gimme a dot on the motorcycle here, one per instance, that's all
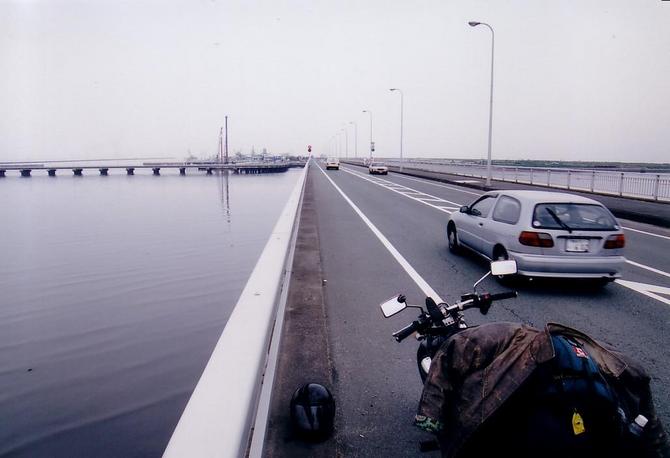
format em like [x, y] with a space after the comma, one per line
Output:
[438, 322]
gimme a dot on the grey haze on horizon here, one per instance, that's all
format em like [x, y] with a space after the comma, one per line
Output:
[574, 80]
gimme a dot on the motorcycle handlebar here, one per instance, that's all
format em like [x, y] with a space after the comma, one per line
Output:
[501, 296]
[405, 332]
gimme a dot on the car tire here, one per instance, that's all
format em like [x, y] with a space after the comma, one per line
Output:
[452, 238]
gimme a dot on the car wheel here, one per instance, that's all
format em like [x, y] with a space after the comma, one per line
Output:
[452, 237]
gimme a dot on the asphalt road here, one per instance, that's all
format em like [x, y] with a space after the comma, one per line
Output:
[376, 383]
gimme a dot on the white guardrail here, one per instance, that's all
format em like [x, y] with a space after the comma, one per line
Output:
[220, 415]
[650, 186]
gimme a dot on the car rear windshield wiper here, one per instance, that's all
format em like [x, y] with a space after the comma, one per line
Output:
[558, 220]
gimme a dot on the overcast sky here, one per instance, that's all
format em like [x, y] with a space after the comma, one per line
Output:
[574, 79]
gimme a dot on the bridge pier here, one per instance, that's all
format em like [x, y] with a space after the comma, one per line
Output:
[77, 172]
[157, 171]
[182, 170]
[103, 171]
[209, 170]
[51, 172]
[130, 170]
[25, 172]
[2, 173]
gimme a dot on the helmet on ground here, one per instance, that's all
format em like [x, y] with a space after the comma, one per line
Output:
[312, 411]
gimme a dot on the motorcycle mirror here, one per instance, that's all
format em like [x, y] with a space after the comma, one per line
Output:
[503, 267]
[393, 305]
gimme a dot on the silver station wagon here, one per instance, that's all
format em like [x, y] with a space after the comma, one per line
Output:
[549, 234]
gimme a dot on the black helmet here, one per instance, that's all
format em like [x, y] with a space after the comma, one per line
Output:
[312, 411]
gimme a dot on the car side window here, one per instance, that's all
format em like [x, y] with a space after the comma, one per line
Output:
[483, 206]
[507, 210]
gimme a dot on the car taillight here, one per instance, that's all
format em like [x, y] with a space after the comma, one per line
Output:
[615, 241]
[540, 239]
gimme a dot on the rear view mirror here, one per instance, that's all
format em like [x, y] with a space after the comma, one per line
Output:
[503, 267]
[464, 209]
[392, 306]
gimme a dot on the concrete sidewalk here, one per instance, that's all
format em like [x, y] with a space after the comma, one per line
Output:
[656, 213]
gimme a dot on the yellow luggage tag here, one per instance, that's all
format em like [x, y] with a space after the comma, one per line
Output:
[577, 424]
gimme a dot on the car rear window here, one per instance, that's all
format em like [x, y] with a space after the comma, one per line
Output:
[574, 216]
[377, 164]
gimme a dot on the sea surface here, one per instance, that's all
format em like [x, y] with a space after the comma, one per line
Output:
[113, 293]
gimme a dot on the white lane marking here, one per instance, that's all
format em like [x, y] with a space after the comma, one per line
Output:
[651, 269]
[414, 275]
[426, 181]
[646, 289]
[455, 188]
[448, 210]
[647, 233]
[407, 193]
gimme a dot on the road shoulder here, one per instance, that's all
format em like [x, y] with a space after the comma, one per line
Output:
[304, 354]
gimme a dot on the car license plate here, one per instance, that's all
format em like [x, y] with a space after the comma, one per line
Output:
[577, 245]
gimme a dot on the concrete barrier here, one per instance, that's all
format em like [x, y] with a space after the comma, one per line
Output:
[219, 416]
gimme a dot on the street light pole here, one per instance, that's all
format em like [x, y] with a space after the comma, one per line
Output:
[493, 40]
[371, 142]
[346, 141]
[402, 97]
[355, 138]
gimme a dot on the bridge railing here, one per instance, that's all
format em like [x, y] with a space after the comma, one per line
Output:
[651, 186]
[221, 413]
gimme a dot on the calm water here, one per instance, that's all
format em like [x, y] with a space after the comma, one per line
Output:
[113, 293]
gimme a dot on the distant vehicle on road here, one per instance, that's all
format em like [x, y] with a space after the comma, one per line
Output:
[548, 234]
[333, 163]
[378, 168]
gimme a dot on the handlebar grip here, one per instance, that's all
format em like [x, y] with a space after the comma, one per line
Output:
[405, 332]
[505, 295]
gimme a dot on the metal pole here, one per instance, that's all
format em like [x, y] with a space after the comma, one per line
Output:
[488, 166]
[355, 138]
[346, 141]
[225, 161]
[220, 144]
[371, 142]
[402, 97]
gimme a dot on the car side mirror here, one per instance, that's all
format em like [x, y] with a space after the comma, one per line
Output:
[393, 305]
[464, 209]
[503, 267]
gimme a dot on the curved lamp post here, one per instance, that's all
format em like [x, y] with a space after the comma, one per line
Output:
[401, 118]
[488, 163]
[355, 137]
[371, 143]
[346, 141]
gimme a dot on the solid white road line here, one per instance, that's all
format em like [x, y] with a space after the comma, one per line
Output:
[455, 188]
[407, 192]
[642, 266]
[647, 290]
[448, 209]
[432, 183]
[414, 275]
[646, 233]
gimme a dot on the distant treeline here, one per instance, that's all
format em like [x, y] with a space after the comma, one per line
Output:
[623, 166]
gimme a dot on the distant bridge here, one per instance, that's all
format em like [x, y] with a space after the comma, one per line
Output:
[26, 170]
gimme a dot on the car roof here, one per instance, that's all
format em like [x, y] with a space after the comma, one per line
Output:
[545, 196]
